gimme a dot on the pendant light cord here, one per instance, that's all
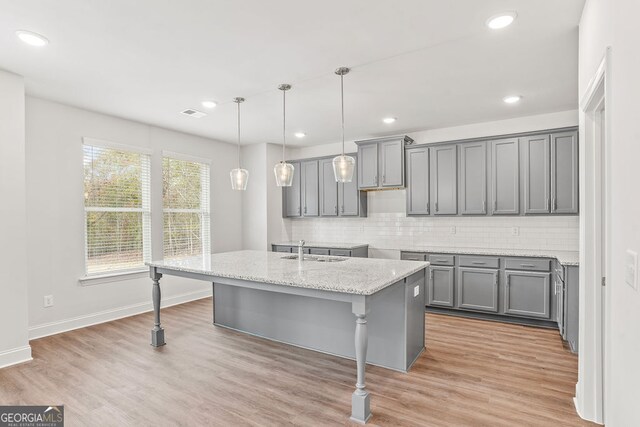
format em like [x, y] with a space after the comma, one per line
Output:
[238, 135]
[284, 122]
[342, 103]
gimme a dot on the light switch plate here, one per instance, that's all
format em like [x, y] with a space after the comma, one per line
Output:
[48, 301]
[416, 290]
[452, 230]
[515, 231]
[631, 269]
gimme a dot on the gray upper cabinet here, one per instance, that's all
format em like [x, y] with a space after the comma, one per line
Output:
[291, 198]
[536, 159]
[381, 162]
[564, 173]
[368, 166]
[351, 201]
[391, 163]
[310, 188]
[505, 177]
[328, 188]
[477, 289]
[527, 294]
[417, 197]
[473, 178]
[444, 179]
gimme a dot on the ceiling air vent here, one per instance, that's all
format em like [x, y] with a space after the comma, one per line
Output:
[193, 113]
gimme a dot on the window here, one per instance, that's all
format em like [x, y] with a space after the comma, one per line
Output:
[185, 197]
[117, 208]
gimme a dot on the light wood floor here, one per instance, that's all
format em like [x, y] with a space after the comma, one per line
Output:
[474, 373]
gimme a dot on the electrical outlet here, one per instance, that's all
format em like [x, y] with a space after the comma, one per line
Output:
[416, 291]
[631, 269]
[515, 231]
[452, 230]
[48, 300]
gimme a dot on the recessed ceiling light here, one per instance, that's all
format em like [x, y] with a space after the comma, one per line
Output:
[31, 38]
[209, 104]
[502, 20]
[512, 99]
[389, 120]
[300, 134]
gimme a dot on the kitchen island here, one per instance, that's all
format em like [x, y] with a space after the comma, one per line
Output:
[322, 303]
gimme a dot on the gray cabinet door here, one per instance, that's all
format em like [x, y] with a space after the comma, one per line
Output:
[441, 286]
[527, 294]
[417, 194]
[291, 198]
[328, 188]
[349, 197]
[505, 177]
[536, 158]
[477, 289]
[444, 179]
[310, 188]
[564, 173]
[368, 166]
[473, 178]
[392, 163]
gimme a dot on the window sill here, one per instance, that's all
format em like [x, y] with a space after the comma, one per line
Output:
[113, 277]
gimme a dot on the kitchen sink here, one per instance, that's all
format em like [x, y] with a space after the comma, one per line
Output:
[317, 258]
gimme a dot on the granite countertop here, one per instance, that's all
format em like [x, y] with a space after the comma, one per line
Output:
[568, 258]
[359, 276]
[324, 245]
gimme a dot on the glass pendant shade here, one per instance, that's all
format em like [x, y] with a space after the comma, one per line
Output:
[284, 174]
[239, 179]
[343, 168]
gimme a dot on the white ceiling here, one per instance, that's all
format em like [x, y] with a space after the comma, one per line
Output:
[430, 63]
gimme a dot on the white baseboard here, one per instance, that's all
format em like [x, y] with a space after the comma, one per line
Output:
[15, 356]
[60, 326]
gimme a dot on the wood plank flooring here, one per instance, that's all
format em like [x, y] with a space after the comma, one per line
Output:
[474, 373]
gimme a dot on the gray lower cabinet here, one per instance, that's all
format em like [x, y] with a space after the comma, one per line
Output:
[536, 161]
[417, 164]
[472, 188]
[441, 284]
[309, 188]
[527, 294]
[328, 188]
[477, 289]
[571, 298]
[564, 173]
[444, 179]
[505, 177]
[291, 201]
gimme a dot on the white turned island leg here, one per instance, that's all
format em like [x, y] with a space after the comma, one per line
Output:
[360, 401]
[157, 333]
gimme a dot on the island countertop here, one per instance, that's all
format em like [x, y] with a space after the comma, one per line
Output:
[358, 276]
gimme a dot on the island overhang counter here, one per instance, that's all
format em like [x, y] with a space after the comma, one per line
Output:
[313, 304]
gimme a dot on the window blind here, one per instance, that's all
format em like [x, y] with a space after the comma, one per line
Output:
[117, 209]
[185, 195]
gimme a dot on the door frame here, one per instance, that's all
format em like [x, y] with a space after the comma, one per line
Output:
[595, 225]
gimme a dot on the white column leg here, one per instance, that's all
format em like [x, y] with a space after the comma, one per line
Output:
[157, 333]
[360, 401]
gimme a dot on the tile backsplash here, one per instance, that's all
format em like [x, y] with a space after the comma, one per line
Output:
[388, 228]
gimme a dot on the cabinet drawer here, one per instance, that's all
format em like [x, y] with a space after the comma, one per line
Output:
[318, 251]
[282, 249]
[413, 256]
[340, 252]
[529, 264]
[441, 259]
[479, 261]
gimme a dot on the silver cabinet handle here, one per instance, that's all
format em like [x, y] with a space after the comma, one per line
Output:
[495, 206]
[478, 262]
[413, 259]
[298, 210]
[527, 265]
[554, 204]
[436, 206]
[442, 260]
[375, 178]
[547, 208]
[427, 207]
[336, 209]
[384, 178]
[484, 206]
[342, 208]
[305, 209]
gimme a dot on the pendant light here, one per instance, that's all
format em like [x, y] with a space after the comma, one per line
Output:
[239, 176]
[343, 165]
[284, 170]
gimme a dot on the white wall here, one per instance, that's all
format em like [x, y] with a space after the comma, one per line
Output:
[254, 198]
[14, 345]
[615, 23]
[388, 230]
[55, 237]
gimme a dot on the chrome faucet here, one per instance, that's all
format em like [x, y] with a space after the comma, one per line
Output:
[301, 250]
